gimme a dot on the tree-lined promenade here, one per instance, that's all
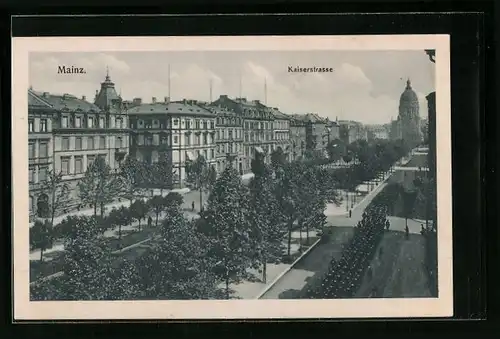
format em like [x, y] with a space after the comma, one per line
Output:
[242, 226]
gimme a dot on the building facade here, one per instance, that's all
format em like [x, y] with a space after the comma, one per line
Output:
[281, 132]
[297, 137]
[40, 149]
[228, 138]
[174, 133]
[257, 127]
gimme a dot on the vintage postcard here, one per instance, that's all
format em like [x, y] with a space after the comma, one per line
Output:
[245, 177]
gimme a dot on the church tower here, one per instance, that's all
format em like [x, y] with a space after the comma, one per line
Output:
[409, 116]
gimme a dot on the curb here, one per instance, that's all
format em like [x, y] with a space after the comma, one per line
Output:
[268, 287]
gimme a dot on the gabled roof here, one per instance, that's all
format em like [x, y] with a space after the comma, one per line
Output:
[35, 101]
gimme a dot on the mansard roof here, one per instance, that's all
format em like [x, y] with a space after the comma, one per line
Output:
[64, 103]
[185, 107]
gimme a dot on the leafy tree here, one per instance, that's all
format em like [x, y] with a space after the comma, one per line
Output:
[157, 204]
[173, 199]
[197, 175]
[288, 195]
[41, 236]
[99, 186]
[278, 157]
[139, 210]
[265, 217]
[211, 177]
[131, 177]
[58, 192]
[85, 262]
[227, 228]
[178, 266]
[335, 149]
[120, 217]
[64, 229]
[162, 174]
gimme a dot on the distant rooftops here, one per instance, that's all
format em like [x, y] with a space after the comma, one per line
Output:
[182, 107]
[60, 102]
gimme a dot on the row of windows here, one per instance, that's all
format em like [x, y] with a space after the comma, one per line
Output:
[42, 126]
[42, 174]
[92, 143]
[78, 164]
[258, 125]
[228, 121]
[90, 122]
[228, 148]
[253, 137]
[229, 134]
[205, 153]
[43, 150]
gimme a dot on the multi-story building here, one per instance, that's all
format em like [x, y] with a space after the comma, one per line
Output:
[40, 149]
[174, 132]
[348, 132]
[258, 126]
[229, 138]
[377, 132]
[315, 133]
[332, 131]
[281, 132]
[297, 136]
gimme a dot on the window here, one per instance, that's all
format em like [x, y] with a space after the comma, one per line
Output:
[65, 165]
[90, 143]
[188, 124]
[78, 143]
[64, 122]
[31, 150]
[163, 140]
[78, 165]
[43, 125]
[65, 144]
[205, 124]
[42, 174]
[31, 125]
[148, 140]
[90, 159]
[78, 122]
[148, 124]
[187, 140]
[43, 152]
[197, 124]
[205, 140]
[218, 135]
[176, 139]
[32, 175]
[118, 142]
[196, 139]
[90, 122]
[176, 122]
[212, 153]
[102, 142]
[205, 154]
[230, 134]
[102, 157]
[101, 122]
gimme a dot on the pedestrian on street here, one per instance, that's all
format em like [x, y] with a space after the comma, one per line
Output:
[422, 229]
[350, 213]
[407, 232]
[387, 225]
[150, 221]
[192, 206]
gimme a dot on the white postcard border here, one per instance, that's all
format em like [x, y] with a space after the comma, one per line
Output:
[24, 309]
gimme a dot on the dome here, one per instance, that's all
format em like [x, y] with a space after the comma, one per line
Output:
[408, 96]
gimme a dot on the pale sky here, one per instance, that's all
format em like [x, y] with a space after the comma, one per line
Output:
[365, 85]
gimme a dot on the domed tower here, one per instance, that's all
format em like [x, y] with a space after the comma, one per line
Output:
[409, 116]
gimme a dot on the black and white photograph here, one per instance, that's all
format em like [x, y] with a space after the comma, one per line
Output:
[202, 174]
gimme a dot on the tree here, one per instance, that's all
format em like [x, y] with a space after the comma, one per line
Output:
[41, 236]
[131, 175]
[85, 268]
[162, 174]
[211, 177]
[278, 158]
[287, 193]
[227, 228]
[178, 266]
[157, 204]
[99, 186]
[197, 175]
[58, 192]
[120, 217]
[139, 210]
[64, 229]
[335, 149]
[265, 217]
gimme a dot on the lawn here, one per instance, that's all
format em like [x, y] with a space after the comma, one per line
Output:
[39, 269]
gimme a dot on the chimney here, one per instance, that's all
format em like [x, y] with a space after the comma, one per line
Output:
[137, 101]
[167, 100]
[154, 100]
[45, 94]
[84, 97]
[184, 101]
[223, 96]
[256, 101]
